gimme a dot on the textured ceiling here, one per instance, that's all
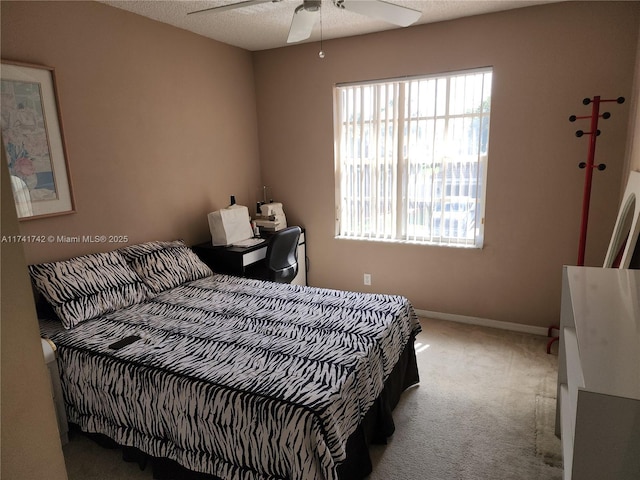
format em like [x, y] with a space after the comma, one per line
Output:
[264, 26]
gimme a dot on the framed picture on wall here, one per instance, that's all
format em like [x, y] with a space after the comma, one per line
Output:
[33, 139]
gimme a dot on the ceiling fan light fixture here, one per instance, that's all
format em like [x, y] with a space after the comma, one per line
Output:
[385, 11]
[302, 24]
[306, 14]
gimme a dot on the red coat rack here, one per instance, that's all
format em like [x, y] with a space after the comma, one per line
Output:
[589, 165]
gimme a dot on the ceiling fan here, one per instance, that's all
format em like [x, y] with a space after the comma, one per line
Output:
[307, 14]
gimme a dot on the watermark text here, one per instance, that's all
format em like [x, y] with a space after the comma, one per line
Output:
[64, 239]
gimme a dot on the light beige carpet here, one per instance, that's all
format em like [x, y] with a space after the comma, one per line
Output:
[473, 416]
[548, 446]
[484, 409]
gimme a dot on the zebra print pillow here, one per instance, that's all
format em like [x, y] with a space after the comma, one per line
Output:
[86, 287]
[164, 265]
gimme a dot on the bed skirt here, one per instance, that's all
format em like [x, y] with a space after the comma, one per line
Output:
[376, 427]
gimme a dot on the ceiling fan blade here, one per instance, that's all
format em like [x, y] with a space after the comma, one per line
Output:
[388, 12]
[302, 24]
[232, 6]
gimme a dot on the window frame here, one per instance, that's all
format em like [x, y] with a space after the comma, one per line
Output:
[400, 164]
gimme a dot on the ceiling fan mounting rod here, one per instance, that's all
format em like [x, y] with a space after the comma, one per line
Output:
[311, 5]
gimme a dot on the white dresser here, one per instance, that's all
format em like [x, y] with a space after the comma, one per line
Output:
[598, 409]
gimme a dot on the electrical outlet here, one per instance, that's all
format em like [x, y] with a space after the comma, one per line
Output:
[367, 279]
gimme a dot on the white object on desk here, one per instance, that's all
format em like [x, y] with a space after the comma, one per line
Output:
[598, 409]
[230, 225]
[272, 217]
[249, 242]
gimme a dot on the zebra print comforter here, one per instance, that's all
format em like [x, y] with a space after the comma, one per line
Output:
[234, 377]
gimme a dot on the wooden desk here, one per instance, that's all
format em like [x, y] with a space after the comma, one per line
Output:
[230, 260]
[238, 261]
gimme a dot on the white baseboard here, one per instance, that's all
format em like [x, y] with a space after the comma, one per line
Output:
[484, 322]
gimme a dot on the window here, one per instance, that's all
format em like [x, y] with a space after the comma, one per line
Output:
[411, 158]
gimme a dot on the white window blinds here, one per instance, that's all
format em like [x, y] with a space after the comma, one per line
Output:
[411, 157]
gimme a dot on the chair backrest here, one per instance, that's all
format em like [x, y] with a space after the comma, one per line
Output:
[282, 255]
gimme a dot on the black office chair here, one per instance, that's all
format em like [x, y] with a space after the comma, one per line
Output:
[281, 261]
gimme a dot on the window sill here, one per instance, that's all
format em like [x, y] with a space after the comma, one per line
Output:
[409, 242]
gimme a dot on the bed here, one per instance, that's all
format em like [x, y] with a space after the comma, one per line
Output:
[229, 377]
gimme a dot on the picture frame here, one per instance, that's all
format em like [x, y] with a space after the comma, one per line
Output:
[33, 139]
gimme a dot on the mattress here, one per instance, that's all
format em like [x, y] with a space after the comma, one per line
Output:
[234, 377]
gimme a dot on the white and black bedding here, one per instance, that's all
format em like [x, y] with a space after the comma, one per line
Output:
[232, 377]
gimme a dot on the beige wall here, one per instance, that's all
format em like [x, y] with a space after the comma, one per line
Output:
[160, 123]
[546, 60]
[30, 439]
